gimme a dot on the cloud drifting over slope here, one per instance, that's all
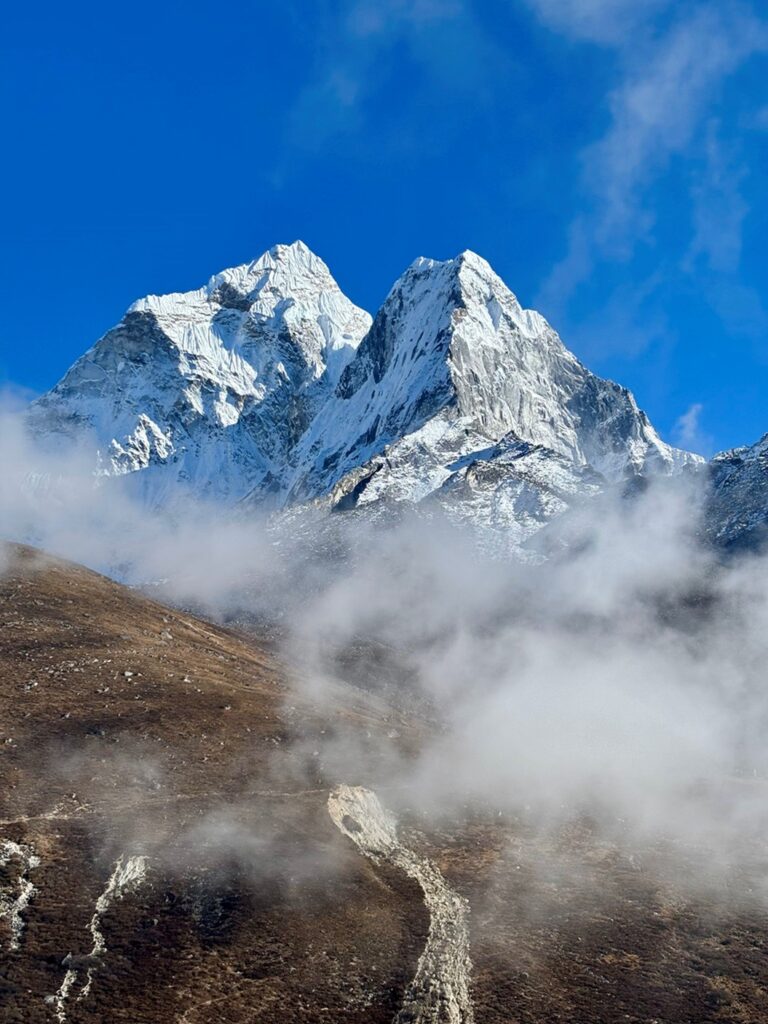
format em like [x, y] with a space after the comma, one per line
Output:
[622, 678]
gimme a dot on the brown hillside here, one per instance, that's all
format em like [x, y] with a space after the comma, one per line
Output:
[131, 729]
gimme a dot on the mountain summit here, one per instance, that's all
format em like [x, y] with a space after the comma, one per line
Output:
[452, 347]
[269, 383]
[212, 388]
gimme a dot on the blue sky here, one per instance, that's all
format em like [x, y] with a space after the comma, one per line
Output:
[608, 158]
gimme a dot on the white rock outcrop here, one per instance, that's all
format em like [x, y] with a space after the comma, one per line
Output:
[439, 992]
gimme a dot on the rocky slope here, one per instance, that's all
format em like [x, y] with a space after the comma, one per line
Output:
[269, 385]
[165, 849]
[167, 855]
[736, 515]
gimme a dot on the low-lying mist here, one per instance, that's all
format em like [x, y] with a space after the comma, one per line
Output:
[623, 678]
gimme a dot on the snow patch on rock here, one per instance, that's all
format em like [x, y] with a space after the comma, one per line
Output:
[19, 893]
[439, 991]
[128, 875]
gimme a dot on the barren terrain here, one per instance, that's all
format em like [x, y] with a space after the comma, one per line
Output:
[168, 784]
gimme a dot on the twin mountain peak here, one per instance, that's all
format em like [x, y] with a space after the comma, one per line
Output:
[269, 384]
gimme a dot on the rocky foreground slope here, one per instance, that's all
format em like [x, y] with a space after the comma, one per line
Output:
[167, 853]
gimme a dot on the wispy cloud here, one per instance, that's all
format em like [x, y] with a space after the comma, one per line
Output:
[714, 254]
[368, 18]
[14, 397]
[627, 319]
[688, 433]
[362, 44]
[719, 208]
[657, 110]
[600, 21]
[672, 68]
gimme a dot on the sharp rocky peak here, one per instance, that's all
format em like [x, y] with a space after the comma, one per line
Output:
[272, 367]
[283, 272]
[452, 341]
[288, 292]
[237, 368]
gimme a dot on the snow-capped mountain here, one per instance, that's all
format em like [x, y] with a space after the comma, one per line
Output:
[269, 383]
[451, 366]
[211, 388]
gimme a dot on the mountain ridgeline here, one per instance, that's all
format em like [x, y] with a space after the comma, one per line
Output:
[269, 386]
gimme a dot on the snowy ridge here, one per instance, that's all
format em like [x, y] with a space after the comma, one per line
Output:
[737, 509]
[269, 385]
[211, 387]
[452, 340]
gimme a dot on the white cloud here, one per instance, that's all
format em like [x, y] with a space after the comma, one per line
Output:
[601, 21]
[381, 17]
[687, 432]
[563, 689]
[669, 79]
[14, 397]
[359, 44]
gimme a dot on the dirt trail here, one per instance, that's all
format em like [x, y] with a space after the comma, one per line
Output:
[439, 990]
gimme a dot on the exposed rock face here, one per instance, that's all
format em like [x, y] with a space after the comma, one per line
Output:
[737, 511]
[268, 384]
[211, 388]
[452, 341]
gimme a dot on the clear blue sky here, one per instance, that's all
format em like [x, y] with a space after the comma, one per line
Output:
[609, 162]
